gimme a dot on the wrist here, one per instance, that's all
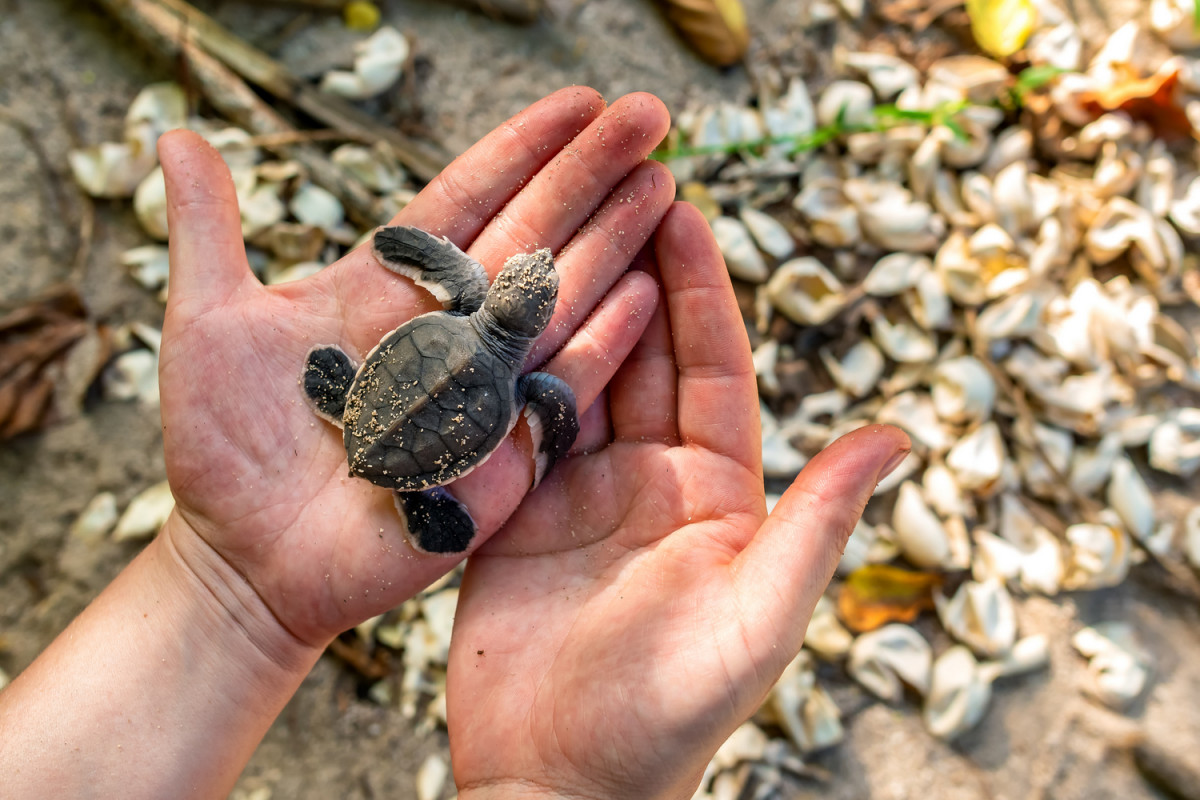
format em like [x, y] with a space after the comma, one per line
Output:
[530, 790]
[221, 612]
[178, 667]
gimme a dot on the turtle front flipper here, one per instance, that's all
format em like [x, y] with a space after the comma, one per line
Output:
[553, 421]
[328, 373]
[458, 281]
[435, 522]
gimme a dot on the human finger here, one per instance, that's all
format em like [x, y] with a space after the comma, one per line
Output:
[643, 394]
[782, 571]
[465, 196]
[207, 254]
[595, 428]
[587, 363]
[718, 396]
[602, 250]
[567, 191]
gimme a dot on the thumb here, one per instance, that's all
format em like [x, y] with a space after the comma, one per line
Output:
[785, 568]
[208, 257]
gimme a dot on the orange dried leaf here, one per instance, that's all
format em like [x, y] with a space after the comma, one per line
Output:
[1153, 100]
[877, 594]
[715, 28]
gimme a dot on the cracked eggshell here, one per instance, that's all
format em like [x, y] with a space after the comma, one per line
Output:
[768, 233]
[96, 519]
[1098, 556]
[742, 258]
[886, 660]
[1191, 536]
[1175, 22]
[978, 459]
[110, 169]
[793, 116]
[1131, 499]
[805, 291]
[1012, 195]
[431, 777]
[901, 339]
[312, 205]
[857, 551]
[859, 370]
[1027, 655]
[994, 558]
[375, 166]
[145, 514]
[1185, 210]
[780, 459]
[981, 616]
[896, 272]
[1175, 443]
[826, 636]
[1117, 666]
[833, 219]
[942, 491]
[959, 694]
[849, 102]
[150, 204]
[1121, 225]
[897, 221]
[1042, 567]
[149, 265]
[803, 709]
[1060, 46]
[920, 535]
[928, 303]
[963, 390]
[133, 376]
[1017, 315]
[888, 75]
[913, 412]
[378, 61]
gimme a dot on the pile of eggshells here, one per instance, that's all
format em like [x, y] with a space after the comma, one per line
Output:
[1007, 313]
[292, 226]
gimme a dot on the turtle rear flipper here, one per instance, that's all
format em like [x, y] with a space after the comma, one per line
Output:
[328, 373]
[458, 281]
[553, 420]
[435, 522]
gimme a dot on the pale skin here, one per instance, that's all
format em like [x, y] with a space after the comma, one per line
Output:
[644, 563]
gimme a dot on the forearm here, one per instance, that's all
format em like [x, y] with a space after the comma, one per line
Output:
[162, 687]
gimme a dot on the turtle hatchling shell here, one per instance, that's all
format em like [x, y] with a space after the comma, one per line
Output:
[429, 404]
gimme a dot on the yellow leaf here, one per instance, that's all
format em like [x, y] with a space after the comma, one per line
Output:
[715, 28]
[361, 15]
[877, 594]
[1001, 27]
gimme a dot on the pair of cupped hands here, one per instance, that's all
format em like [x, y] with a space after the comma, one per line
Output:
[614, 624]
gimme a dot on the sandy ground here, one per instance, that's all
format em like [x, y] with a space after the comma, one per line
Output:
[66, 78]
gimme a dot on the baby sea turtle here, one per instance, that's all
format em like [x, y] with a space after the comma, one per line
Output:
[440, 393]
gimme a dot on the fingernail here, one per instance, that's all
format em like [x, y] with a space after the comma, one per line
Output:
[892, 463]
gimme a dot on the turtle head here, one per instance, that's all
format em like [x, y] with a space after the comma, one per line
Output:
[521, 299]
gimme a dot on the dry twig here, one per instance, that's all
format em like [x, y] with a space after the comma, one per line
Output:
[167, 25]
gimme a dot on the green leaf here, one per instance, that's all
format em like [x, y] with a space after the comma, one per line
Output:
[1033, 78]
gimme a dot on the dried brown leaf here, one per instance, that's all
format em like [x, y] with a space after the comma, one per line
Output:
[877, 594]
[37, 340]
[1154, 100]
[715, 28]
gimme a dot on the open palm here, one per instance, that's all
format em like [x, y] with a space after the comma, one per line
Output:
[640, 603]
[256, 474]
